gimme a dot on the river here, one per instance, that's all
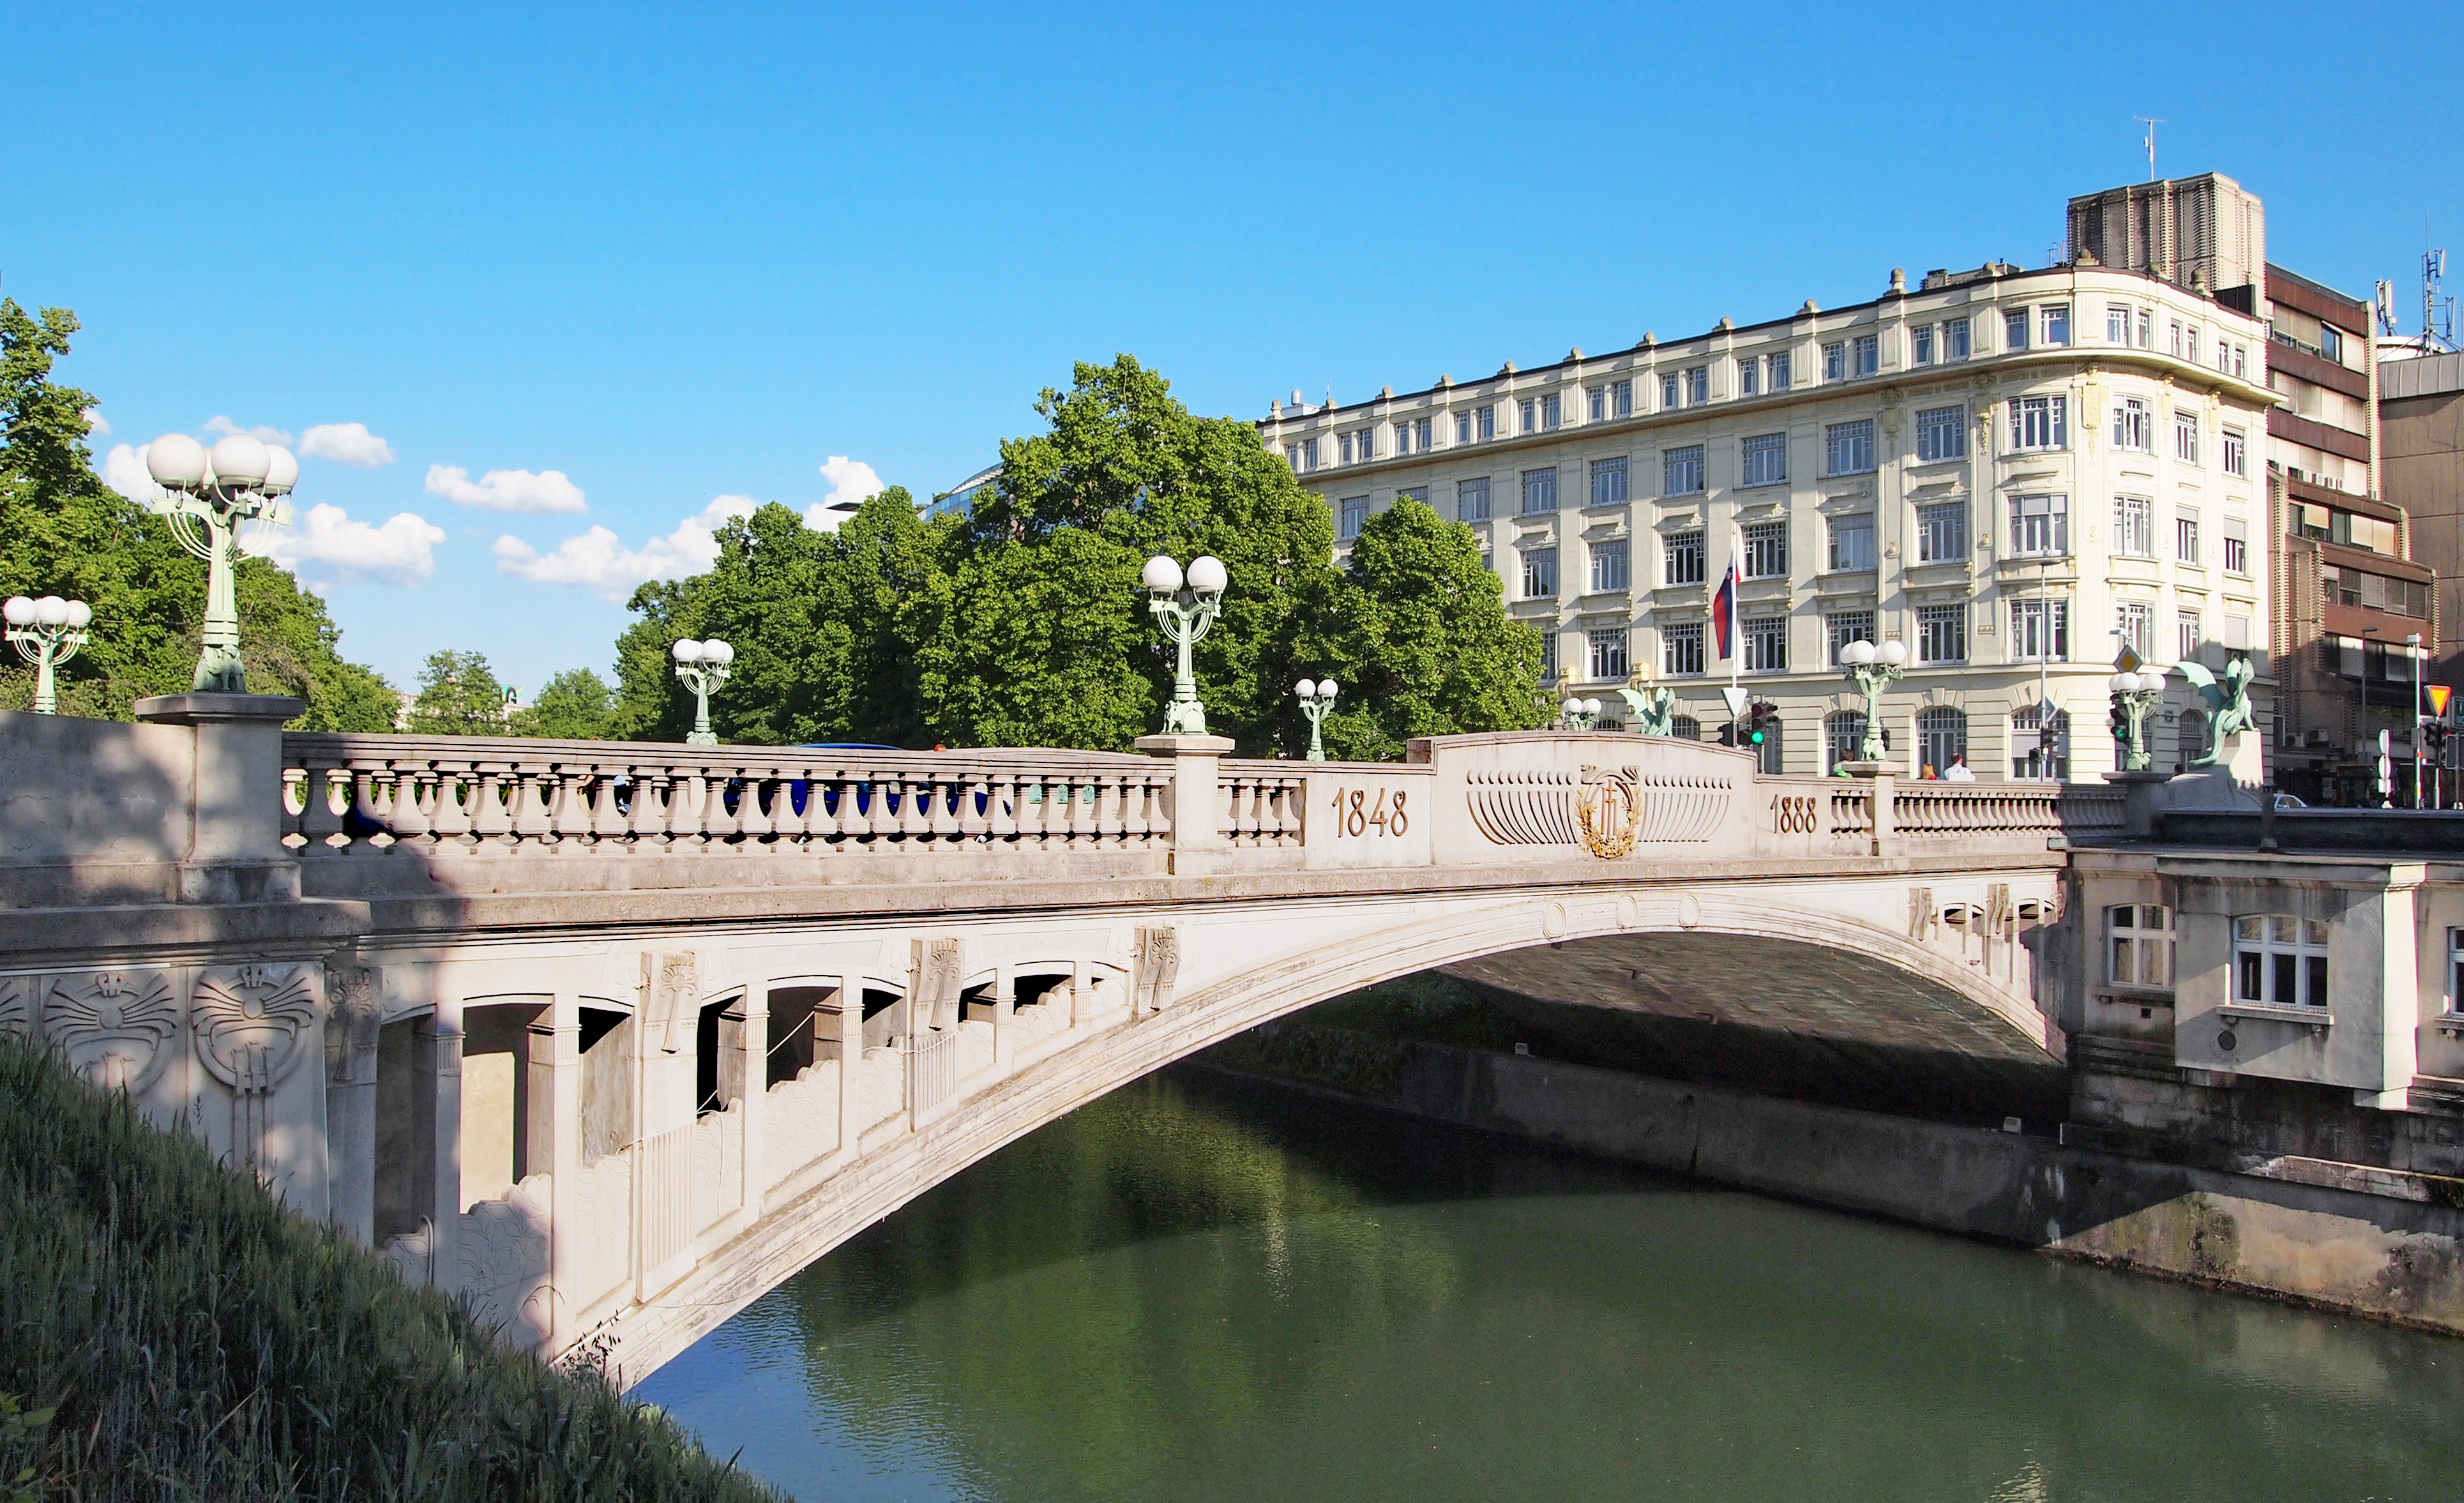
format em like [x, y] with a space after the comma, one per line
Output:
[1202, 1289]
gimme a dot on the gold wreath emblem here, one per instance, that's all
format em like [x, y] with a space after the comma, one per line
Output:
[1606, 844]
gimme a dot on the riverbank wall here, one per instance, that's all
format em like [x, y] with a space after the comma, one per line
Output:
[2369, 1241]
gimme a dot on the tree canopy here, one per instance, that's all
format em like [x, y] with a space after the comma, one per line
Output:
[1022, 622]
[63, 532]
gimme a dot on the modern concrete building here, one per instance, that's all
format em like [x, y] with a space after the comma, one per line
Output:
[2421, 440]
[2013, 472]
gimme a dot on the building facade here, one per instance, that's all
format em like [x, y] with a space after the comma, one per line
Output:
[2421, 450]
[2013, 472]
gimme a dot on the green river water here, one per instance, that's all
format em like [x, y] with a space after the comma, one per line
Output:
[1203, 1288]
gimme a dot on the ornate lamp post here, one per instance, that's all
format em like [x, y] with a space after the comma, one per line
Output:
[703, 668]
[2138, 694]
[1316, 699]
[1580, 715]
[243, 480]
[1185, 609]
[47, 632]
[1872, 670]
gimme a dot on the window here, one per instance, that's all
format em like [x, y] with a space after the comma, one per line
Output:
[2236, 545]
[1852, 543]
[2280, 960]
[1539, 573]
[2053, 324]
[1549, 657]
[1942, 533]
[1781, 371]
[2224, 355]
[1681, 471]
[2241, 361]
[1355, 514]
[2135, 624]
[1698, 385]
[1669, 391]
[1765, 459]
[1303, 456]
[1360, 448]
[1942, 433]
[1682, 558]
[2139, 946]
[1766, 550]
[2454, 971]
[2040, 630]
[1749, 376]
[1608, 653]
[2185, 437]
[1843, 627]
[1542, 415]
[1608, 481]
[2015, 329]
[1942, 633]
[1621, 399]
[1600, 404]
[2236, 454]
[1686, 728]
[2039, 422]
[1850, 447]
[1412, 437]
[2134, 427]
[2146, 328]
[1834, 361]
[1921, 345]
[2187, 636]
[2186, 536]
[1942, 737]
[2034, 751]
[2040, 525]
[2177, 339]
[1954, 339]
[1475, 424]
[1869, 354]
[2331, 343]
[1843, 737]
[2190, 349]
[2134, 527]
[2116, 324]
[1681, 649]
[1471, 499]
[1766, 644]
[1539, 491]
[1611, 566]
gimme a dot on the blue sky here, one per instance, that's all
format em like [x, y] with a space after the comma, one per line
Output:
[674, 258]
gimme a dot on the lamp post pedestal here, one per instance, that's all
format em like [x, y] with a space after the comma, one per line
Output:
[2143, 801]
[234, 840]
[1195, 761]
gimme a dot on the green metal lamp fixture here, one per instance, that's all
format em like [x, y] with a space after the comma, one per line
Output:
[1316, 699]
[703, 668]
[46, 633]
[1185, 608]
[1873, 669]
[2138, 694]
[244, 479]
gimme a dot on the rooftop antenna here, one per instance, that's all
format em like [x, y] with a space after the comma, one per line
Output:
[2151, 123]
[2434, 269]
[2384, 305]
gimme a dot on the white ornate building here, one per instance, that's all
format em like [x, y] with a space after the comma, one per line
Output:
[2002, 469]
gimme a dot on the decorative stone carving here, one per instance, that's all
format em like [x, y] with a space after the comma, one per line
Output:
[115, 1026]
[670, 983]
[1543, 809]
[936, 973]
[1925, 921]
[251, 1024]
[1157, 970]
[358, 994]
[17, 1006]
[504, 1250]
[1607, 812]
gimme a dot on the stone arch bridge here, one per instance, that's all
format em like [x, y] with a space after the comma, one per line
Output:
[615, 1038]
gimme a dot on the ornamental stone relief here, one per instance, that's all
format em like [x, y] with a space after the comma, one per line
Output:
[114, 1027]
[251, 1025]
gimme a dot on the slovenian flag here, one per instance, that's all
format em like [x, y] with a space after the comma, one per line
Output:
[1724, 604]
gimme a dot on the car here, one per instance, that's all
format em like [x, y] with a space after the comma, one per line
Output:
[2286, 800]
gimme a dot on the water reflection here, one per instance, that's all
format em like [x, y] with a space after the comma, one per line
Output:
[1196, 1289]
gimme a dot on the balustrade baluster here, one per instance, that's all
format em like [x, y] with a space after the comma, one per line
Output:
[1107, 809]
[320, 821]
[569, 809]
[752, 821]
[606, 820]
[372, 798]
[406, 815]
[457, 804]
[492, 819]
[788, 823]
[1008, 791]
[719, 823]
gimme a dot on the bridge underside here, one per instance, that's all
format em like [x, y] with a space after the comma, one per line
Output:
[1802, 1021]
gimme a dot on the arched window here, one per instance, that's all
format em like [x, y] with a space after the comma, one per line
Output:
[1686, 728]
[1843, 735]
[1942, 739]
[2189, 739]
[2039, 751]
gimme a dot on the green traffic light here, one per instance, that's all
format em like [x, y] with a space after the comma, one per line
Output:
[1757, 737]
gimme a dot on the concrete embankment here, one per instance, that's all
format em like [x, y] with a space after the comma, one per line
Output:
[2342, 1237]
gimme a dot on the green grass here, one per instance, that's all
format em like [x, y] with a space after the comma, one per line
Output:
[195, 1340]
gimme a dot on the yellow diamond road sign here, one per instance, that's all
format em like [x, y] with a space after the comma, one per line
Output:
[2129, 661]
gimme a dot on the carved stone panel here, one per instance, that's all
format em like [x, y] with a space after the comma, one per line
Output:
[251, 1024]
[936, 973]
[1159, 969]
[17, 1006]
[114, 1027]
[670, 985]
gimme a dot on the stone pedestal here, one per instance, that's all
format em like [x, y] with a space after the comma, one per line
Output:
[235, 853]
[2143, 801]
[1195, 832]
[1884, 782]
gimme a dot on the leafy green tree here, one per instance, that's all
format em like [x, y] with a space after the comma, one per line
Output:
[458, 696]
[1431, 650]
[63, 532]
[576, 705]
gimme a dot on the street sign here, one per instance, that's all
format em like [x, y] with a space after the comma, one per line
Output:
[2440, 694]
[2128, 661]
[1737, 698]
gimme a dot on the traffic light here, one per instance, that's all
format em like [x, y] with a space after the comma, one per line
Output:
[1762, 722]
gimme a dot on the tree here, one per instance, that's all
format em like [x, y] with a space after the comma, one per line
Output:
[63, 532]
[1430, 648]
[576, 705]
[458, 696]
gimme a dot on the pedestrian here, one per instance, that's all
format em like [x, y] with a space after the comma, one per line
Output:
[1958, 771]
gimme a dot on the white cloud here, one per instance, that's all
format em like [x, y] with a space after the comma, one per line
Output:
[326, 548]
[219, 423]
[599, 561]
[507, 490]
[347, 443]
[851, 480]
[95, 426]
[124, 469]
